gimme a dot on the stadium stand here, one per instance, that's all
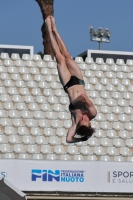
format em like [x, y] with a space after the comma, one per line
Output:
[34, 114]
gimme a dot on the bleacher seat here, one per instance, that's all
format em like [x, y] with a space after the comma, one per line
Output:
[52, 64]
[5, 97]
[98, 150]
[89, 60]
[17, 122]
[26, 57]
[5, 148]
[109, 61]
[104, 158]
[5, 122]
[27, 139]
[34, 113]
[35, 131]
[117, 142]
[45, 107]
[3, 139]
[15, 56]
[59, 149]
[105, 125]
[110, 74]
[111, 117]
[85, 150]
[118, 159]
[4, 56]
[115, 68]
[9, 130]
[8, 83]
[53, 140]
[105, 141]
[2, 69]
[41, 140]
[129, 142]
[20, 83]
[2, 113]
[23, 131]
[60, 132]
[2, 90]
[30, 123]
[19, 63]
[14, 139]
[92, 157]
[23, 156]
[72, 150]
[32, 148]
[120, 62]
[123, 134]
[99, 133]
[122, 117]
[25, 114]
[78, 157]
[105, 94]
[111, 151]
[48, 131]
[15, 77]
[65, 157]
[36, 57]
[37, 156]
[79, 60]
[64, 141]
[40, 99]
[110, 102]
[9, 156]
[126, 82]
[83, 66]
[124, 151]
[93, 141]
[40, 64]
[45, 149]
[130, 159]
[94, 67]
[129, 62]
[47, 58]
[51, 156]
[8, 62]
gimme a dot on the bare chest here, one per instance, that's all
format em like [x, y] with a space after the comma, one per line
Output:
[75, 91]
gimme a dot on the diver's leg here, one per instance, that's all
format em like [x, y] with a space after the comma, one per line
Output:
[71, 64]
[64, 73]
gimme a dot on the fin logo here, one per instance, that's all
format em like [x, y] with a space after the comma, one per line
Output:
[45, 175]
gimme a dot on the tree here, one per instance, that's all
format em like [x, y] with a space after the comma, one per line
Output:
[46, 7]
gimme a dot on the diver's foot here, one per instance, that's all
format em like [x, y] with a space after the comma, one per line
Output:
[53, 24]
[48, 23]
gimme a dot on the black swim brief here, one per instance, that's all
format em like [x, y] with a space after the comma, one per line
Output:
[73, 81]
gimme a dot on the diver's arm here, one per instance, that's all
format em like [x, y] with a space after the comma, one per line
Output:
[74, 140]
[72, 131]
[89, 106]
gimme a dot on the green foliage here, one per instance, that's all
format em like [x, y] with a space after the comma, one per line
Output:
[41, 54]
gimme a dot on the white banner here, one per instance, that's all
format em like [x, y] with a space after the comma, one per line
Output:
[34, 175]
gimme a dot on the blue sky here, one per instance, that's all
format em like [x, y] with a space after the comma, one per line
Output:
[21, 21]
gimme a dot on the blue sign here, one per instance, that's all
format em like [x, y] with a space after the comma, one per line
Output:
[58, 175]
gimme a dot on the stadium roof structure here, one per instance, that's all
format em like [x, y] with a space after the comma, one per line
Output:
[17, 49]
[10, 192]
[106, 54]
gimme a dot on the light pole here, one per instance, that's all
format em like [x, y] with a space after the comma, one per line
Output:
[100, 35]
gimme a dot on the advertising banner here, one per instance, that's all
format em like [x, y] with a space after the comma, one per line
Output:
[71, 176]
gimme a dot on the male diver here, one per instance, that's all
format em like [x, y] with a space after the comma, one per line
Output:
[81, 107]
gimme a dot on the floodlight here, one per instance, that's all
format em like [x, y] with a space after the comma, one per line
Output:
[100, 35]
